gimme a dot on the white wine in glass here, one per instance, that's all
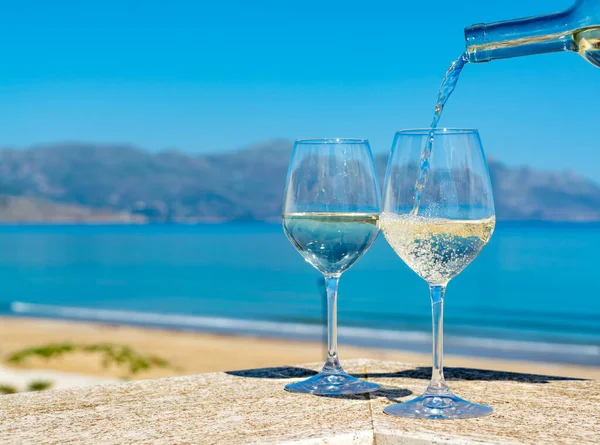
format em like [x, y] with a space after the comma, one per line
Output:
[437, 249]
[331, 242]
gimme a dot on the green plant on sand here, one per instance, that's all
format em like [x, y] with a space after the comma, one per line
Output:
[39, 385]
[8, 389]
[119, 355]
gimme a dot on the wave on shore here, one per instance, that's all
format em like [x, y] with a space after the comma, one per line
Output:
[379, 338]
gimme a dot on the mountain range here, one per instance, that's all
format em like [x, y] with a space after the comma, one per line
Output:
[81, 182]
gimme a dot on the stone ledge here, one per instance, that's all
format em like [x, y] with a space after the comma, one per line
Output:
[250, 407]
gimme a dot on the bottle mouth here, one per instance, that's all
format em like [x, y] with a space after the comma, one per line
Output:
[475, 39]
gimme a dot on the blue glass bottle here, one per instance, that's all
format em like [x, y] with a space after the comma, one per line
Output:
[576, 29]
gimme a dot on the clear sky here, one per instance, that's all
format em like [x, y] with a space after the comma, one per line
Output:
[204, 76]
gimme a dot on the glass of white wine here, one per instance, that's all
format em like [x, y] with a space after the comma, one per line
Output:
[330, 213]
[438, 214]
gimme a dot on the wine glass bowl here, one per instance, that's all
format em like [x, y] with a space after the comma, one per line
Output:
[330, 215]
[438, 214]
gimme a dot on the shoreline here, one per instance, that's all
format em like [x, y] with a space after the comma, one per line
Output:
[414, 341]
[193, 352]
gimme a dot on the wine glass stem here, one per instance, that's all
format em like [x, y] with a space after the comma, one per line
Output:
[332, 365]
[438, 384]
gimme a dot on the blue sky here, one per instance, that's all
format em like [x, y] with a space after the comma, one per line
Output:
[205, 76]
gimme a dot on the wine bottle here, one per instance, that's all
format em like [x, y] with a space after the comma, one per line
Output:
[576, 29]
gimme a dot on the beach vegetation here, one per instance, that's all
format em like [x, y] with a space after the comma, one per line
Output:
[39, 385]
[8, 389]
[112, 355]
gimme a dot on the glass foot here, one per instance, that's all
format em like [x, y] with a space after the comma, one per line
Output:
[444, 405]
[327, 384]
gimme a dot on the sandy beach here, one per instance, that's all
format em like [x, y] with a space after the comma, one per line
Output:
[193, 352]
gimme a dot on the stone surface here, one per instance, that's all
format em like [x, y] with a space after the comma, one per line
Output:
[528, 408]
[251, 407]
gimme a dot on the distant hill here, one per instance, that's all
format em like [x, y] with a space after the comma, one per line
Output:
[31, 210]
[79, 182]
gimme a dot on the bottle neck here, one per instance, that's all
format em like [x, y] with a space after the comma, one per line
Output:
[522, 37]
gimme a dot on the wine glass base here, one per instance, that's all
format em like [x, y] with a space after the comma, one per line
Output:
[326, 384]
[438, 406]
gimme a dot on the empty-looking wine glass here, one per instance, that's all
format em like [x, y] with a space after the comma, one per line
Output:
[438, 213]
[330, 213]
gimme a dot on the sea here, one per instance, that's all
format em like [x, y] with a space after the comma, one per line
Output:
[531, 293]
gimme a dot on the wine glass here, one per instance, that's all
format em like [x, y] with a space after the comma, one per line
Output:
[330, 213]
[438, 214]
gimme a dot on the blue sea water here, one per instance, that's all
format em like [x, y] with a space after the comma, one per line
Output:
[530, 294]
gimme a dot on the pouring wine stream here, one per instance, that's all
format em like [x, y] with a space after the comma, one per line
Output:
[446, 89]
